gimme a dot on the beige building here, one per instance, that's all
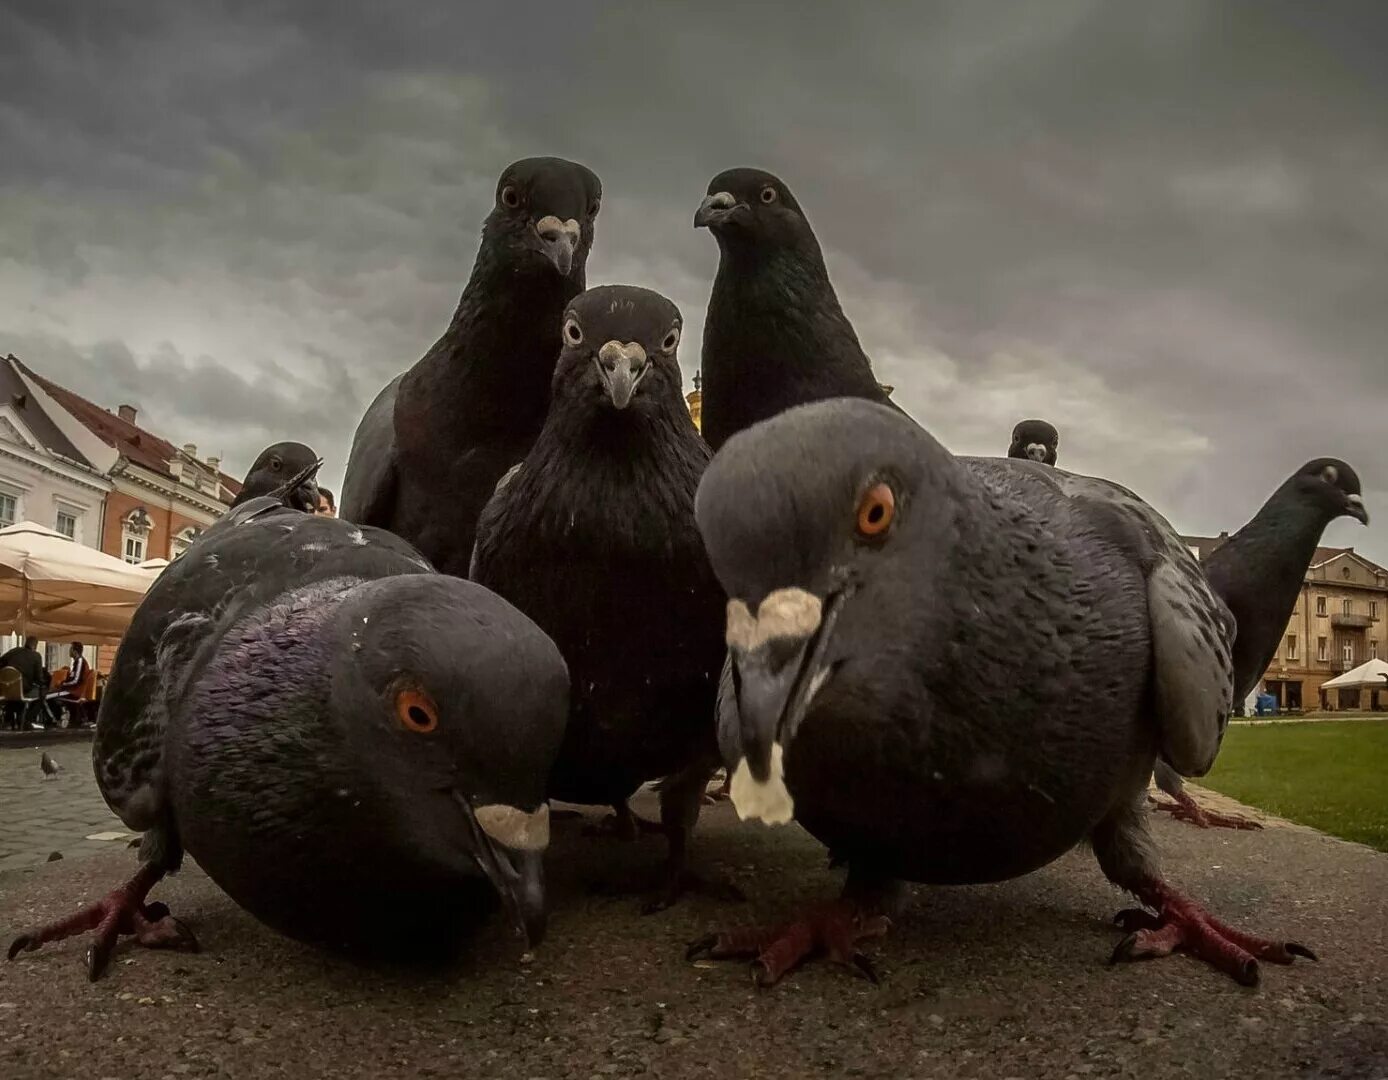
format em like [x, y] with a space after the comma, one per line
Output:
[1338, 624]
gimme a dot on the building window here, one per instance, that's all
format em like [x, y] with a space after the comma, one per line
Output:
[1373, 648]
[67, 524]
[1321, 654]
[9, 507]
[1373, 609]
[183, 541]
[1347, 653]
[134, 549]
[1320, 606]
[1291, 646]
[135, 527]
[1349, 607]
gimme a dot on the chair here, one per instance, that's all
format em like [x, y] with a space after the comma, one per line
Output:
[81, 700]
[14, 699]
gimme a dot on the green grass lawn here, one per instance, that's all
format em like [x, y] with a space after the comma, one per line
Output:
[1332, 776]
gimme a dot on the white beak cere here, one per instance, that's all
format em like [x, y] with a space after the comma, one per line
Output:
[551, 227]
[615, 351]
[792, 613]
[514, 828]
[770, 802]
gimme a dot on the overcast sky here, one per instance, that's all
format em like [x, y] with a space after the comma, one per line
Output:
[1163, 227]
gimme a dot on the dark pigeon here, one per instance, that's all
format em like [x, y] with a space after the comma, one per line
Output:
[1258, 573]
[270, 470]
[351, 745]
[775, 335]
[432, 446]
[954, 670]
[1035, 440]
[593, 537]
[50, 767]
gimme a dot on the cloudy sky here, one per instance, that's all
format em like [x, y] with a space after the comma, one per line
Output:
[1162, 226]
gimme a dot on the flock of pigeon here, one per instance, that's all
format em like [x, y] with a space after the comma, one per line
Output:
[547, 584]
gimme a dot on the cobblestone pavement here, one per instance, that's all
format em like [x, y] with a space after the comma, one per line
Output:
[39, 816]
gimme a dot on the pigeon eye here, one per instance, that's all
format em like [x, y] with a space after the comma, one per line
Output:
[876, 509]
[573, 333]
[1330, 474]
[416, 711]
[510, 196]
[275, 464]
[671, 340]
[594, 207]
[768, 194]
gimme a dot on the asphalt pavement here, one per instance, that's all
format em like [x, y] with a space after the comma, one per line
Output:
[991, 982]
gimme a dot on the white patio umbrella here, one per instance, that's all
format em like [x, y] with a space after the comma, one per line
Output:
[55, 588]
[1370, 675]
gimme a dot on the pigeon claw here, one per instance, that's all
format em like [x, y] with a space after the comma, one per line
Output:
[1186, 809]
[1181, 924]
[122, 911]
[831, 930]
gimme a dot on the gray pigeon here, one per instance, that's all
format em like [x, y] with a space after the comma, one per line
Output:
[352, 746]
[954, 670]
[1035, 440]
[427, 455]
[594, 538]
[276, 464]
[1258, 574]
[50, 767]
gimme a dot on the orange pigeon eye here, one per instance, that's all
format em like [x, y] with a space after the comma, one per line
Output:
[876, 509]
[416, 711]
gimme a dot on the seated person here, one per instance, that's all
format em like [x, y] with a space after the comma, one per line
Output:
[26, 660]
[69, 691]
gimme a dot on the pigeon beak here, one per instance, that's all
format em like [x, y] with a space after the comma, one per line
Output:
[509, 847]
[558, 239]
[1036, 451]
[778, 667]
[305, 497]
[716, 209]
[621, 367]
[1354, 507]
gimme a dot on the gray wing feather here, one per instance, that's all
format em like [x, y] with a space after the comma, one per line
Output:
[1192, 630]
[500, 487]
[729, 721]
[369, 485]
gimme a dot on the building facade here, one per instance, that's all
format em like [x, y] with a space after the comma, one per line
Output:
[161, 495]
[1338, 623]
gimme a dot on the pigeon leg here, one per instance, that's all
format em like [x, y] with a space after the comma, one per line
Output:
[1187, 809]
[833, 930]
[723, 793]
[681, 796]
[1181, 923]
[122, 911]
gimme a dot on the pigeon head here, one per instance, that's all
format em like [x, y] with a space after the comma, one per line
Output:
[456, 703]
[1035, 440]
[619, 349]
[815, 521]
[751, 208]
[1332, 487]
[544, 215]
[275, 466]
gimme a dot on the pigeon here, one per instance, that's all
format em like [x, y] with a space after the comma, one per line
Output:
[1258, 573]
[775, 335]
[1036, 440]
[954, 670]
[332, 730]
[593, 537]
[433, 445]
[50, 767]
[270, 470]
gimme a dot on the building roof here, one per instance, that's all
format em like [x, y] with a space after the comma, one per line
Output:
[1207, 545]
[41, 426]
[134, 443]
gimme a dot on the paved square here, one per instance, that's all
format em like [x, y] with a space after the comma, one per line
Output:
[39, 816]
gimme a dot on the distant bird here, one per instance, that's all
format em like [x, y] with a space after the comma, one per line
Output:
[333, 731]
[1035, 440]
[50, 767]
[432, 446]
[954, 670]
[275, 465]
[775, 335]
[593, 537]
[1258, 572]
